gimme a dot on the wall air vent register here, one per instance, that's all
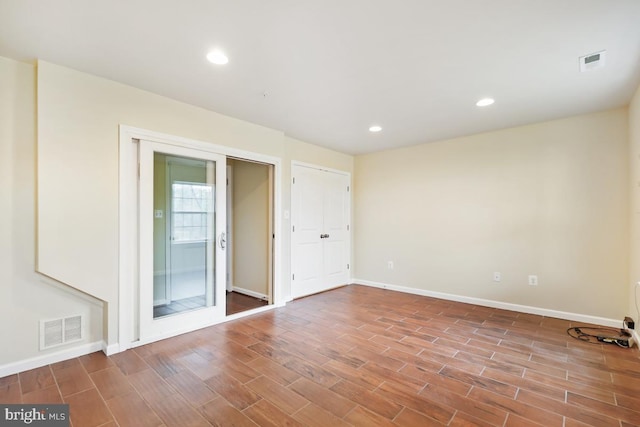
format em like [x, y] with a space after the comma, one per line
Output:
[61, 331]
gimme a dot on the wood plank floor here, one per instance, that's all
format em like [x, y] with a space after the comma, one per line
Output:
[352, 356]
[237, 302]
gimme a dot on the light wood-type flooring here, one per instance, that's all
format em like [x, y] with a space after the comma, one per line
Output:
[352, 356]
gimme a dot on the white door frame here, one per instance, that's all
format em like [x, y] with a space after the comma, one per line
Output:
[128, 286]
[229, 280]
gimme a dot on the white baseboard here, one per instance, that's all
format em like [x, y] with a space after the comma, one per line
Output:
[110, 349]
[576, 317]
[250, 293]
[49, 358]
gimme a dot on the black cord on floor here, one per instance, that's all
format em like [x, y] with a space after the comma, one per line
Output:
[600, 335]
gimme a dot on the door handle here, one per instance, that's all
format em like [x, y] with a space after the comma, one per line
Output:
[324, 236]
[222, 240]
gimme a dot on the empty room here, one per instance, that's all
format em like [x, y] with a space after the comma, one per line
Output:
[312, 213]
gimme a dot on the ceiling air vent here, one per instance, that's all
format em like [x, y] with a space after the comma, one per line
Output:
[593, 61]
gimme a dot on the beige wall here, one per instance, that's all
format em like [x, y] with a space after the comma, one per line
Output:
[634, 164]
[315, 155]
[78, 122]
[26, 297]
[251, 226]
[79, 115]
[550, 199]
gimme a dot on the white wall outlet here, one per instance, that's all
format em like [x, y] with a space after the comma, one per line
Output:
[157, 213]
[497, 276]
[390, 265]
[533, 280]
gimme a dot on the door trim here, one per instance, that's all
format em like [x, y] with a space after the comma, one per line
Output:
[230, 236]
[126, 335]
[318, 167]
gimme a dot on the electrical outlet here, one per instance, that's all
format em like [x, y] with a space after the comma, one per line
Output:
[497, 276]
[390, 265]
[533, 280]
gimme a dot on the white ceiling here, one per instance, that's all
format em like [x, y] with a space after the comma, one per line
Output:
[323, 71]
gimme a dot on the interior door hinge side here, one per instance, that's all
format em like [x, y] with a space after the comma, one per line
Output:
[293, 228]
[294, 179]
[293, 277]
[348, 267]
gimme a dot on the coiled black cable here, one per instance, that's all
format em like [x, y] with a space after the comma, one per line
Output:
[600, 335]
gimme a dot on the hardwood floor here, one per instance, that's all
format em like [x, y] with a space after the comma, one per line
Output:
[352, 356]
[237, 302]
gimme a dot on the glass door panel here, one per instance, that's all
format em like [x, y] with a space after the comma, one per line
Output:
[182, 211]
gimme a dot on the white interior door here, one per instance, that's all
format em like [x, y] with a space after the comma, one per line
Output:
[320, 235]
[182, 240]
[336, 223]
[307, 223]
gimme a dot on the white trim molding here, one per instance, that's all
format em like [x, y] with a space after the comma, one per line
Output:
[110, 349]
[250, 293]
[49, 358]
[576, 317]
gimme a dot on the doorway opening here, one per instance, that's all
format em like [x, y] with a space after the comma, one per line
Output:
[249, 235]
[182, 207]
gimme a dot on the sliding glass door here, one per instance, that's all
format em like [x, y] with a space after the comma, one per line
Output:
[182, 227]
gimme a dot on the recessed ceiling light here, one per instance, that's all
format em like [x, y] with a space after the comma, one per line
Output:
[217, 57]
[375, 129]
[485, 101]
